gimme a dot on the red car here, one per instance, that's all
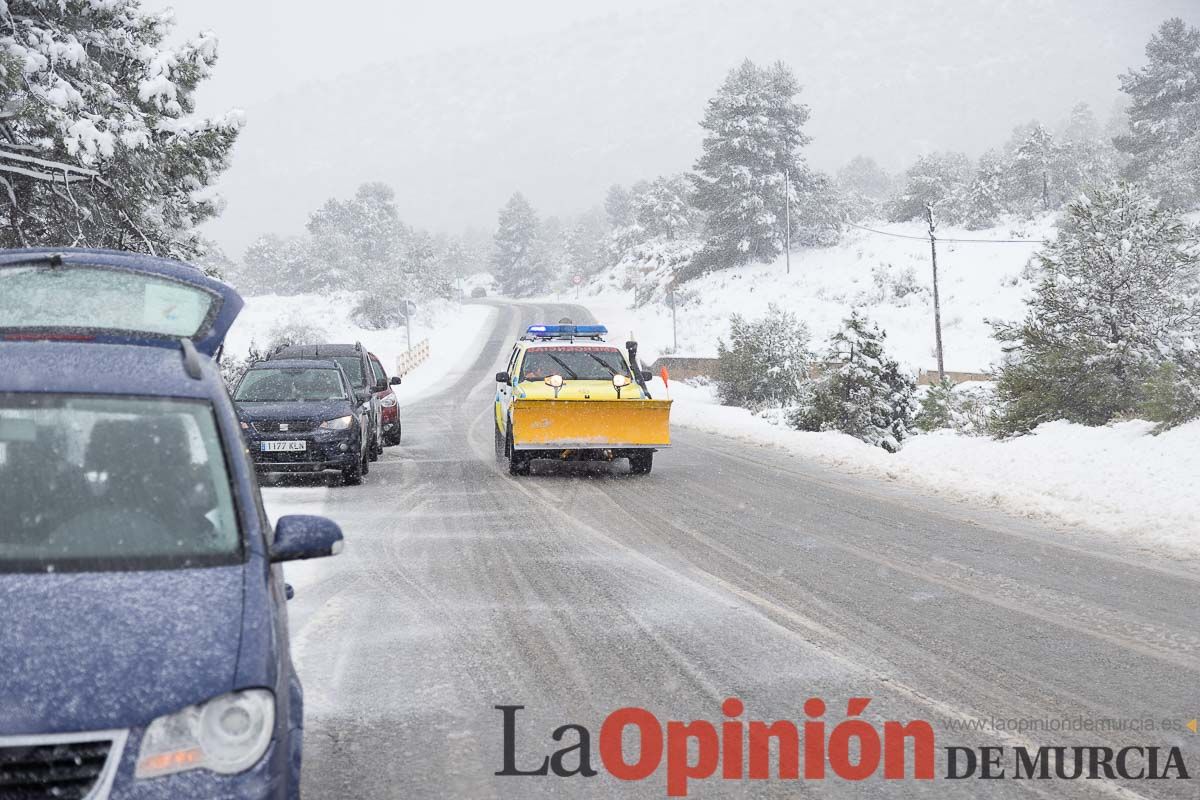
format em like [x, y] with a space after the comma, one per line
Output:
[389, 406]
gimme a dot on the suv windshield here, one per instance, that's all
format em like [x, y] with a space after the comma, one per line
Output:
[112, 483]
[284, 385]
[353, 368]
[573, 363]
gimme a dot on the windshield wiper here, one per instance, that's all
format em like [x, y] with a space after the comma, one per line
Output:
[563, 364]
[603, 363]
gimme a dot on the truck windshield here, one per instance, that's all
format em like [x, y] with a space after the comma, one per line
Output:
[573, 363]
[284, 385]
[90, 483]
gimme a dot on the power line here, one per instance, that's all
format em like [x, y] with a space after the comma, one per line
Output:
[949, 241]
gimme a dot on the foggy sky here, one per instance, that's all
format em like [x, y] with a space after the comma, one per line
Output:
[458, 104]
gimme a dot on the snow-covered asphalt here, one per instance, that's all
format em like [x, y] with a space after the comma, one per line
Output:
[731, 570]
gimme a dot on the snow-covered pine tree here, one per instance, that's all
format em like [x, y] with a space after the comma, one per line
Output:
[1118, 303]
[864, 186]
[99, 143]
[361, 241]
[939, 180]
[1164, 116]
[1089, 158]
[276, 264]
[516, 261]
[587, 243]
[753, 134]
[618, 204]
[1035, 172]
[868, 396]
[765, 362]
[664, 207]
[984, 197]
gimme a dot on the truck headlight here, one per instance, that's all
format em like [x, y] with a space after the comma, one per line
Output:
[339, 424]
[227, 734]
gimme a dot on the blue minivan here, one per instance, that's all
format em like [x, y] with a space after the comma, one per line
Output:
[143, 638]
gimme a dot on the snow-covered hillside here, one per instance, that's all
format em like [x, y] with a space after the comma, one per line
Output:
[886, 276]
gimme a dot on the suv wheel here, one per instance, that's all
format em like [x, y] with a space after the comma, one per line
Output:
[518, 461]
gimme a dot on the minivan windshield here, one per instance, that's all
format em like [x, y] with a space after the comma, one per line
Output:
[74, 297]
[112, 483]
[288, 385]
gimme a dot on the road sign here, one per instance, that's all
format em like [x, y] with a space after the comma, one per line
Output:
[578, 279]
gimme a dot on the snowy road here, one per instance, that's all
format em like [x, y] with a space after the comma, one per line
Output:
[730, 571]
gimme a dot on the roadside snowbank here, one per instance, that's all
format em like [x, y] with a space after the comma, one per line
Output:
[1118, 479]
[454, 332]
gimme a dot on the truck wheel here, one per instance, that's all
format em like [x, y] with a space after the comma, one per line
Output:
[641, 463]
[518, 461]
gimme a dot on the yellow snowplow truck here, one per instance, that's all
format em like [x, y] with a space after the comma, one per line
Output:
[569, 395]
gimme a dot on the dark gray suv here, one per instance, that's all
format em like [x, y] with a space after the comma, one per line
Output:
[353, 360]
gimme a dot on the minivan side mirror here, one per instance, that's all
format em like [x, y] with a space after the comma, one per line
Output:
[301, 536]
[501, 377]
[395, 381]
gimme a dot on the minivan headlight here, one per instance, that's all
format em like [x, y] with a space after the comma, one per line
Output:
[339, 424]
[227, 734]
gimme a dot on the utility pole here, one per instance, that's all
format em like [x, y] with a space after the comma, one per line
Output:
[937, 304]
[787, 215]
[408, 306]
[674, 329]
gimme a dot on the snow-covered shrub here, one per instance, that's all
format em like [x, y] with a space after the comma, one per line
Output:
[1172, 396]
[1117, 303]
[868, 396]
[968, 409]
[765, 362]
[375, 312]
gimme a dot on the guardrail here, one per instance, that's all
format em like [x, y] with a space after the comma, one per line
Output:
[407, 361]
[682, 368]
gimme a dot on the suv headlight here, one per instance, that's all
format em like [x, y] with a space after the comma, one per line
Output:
[228, 734]
[389, 401]
[339, 424]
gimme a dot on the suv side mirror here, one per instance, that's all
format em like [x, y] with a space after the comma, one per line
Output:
[501, 377]
[395, 381]
[300, 536]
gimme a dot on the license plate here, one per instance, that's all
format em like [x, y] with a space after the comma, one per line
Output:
[288, 446]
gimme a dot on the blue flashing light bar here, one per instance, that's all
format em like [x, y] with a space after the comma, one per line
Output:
[566, 331]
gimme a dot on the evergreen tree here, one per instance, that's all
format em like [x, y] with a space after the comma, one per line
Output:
[99, 143]
[765, 362]
[618, 204]
[939, 180]
[1035, 172]
[753, 134]
[1164, 115]
[1116, 308]
[985, 197]
[868, 396]
[517, 260]
[664, 207]
[1089, 159]
[586, 244]
[864, 186]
